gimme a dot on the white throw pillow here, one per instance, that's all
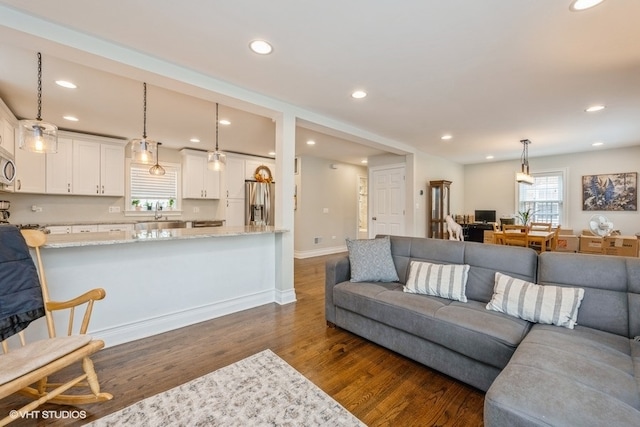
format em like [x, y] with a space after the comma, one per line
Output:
[441, 280]
[371, 260]
[552, 305]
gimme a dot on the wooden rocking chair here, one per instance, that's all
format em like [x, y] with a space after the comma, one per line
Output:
[25, 370]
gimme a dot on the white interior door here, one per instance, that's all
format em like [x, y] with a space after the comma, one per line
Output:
[387, 201]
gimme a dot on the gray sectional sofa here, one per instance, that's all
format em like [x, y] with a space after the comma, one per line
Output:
[534, 374]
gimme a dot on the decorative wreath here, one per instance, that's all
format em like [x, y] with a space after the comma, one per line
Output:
[263, 174]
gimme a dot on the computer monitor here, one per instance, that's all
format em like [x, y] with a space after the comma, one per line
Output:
[485, 216]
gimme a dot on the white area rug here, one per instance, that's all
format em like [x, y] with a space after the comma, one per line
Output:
[261, 390]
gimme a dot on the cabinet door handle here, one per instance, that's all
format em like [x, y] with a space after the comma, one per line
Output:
[19, 185]
[103, 189]
[97, 189]
[68, 187]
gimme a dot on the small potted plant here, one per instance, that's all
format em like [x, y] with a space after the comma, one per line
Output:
[171, 204]
[525, 217]
[136, 204]
[148, 205]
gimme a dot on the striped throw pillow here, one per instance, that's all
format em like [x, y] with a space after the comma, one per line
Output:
[441, 280]
[552, 305]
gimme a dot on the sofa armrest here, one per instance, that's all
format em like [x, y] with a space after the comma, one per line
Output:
[337, 270]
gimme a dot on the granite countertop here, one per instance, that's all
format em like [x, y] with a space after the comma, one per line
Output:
[124, 237]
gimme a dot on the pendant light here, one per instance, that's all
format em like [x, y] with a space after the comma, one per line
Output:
[36, 135]
[216, 159]
[523, 176]
[157, 169]
[142, 150]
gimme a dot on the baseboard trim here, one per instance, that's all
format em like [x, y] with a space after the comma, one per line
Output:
[285, 297]
[319, 252]
[157, 325]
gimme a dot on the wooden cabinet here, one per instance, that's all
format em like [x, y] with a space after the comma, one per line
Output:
[198, 181]
[98, 169]
[234, 177]
[59, 170]
[7, 135]
[235, 214]
[439, 208]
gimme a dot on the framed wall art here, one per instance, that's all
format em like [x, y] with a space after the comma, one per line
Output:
[610, 192]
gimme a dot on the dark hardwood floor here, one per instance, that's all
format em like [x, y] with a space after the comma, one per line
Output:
[378, 386]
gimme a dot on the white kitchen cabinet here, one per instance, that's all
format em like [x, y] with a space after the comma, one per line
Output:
[198, 182]
[59, 229]
[235, 212]
[98, 169]
[7, 135]
[90, 228]
[59, 170]
[234, 177]
[30, 172]
[114, 227]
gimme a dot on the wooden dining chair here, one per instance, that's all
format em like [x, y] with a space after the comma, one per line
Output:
[541, 226]
[26, 367]
[516, 235]
[498, 235]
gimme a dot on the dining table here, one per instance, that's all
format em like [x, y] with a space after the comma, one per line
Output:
[542, 237]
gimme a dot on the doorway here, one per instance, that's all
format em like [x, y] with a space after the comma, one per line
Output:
[387, 204]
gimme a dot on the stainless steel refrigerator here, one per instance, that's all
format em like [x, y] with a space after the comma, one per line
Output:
[259, 203]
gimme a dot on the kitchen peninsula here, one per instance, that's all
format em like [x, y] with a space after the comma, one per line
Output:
[161, 280]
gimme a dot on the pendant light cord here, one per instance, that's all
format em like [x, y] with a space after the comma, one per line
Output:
[39, 118]
[144, 120]
[216, 126]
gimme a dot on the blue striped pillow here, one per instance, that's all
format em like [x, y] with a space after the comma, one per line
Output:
[552, 305]
[441, 280]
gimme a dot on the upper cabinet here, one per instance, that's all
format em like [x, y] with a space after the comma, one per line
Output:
[98, 168]
[83, 165]
[8, 125]
[198, 182]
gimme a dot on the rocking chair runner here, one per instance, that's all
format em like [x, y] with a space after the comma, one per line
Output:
[25, 369]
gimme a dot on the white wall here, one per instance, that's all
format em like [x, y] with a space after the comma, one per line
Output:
[491, 185]
[320, 187]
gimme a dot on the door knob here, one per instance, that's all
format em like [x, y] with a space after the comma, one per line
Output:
[374, 218]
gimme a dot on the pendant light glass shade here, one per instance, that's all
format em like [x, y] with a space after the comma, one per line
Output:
[216, 159]
[157, 169]
[144, 150]
[523, 176]
[36, 135]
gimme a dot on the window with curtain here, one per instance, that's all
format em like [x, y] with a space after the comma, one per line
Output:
[545, 198]
[146, 190]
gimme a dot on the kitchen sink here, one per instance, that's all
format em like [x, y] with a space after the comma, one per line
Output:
[159, 225]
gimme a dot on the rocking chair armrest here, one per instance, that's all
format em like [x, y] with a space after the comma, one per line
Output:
[92, 295]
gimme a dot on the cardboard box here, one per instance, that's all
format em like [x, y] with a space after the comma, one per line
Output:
[590, 244]
[567, 243]
[488, 236]
[620, 246]
[567, 232]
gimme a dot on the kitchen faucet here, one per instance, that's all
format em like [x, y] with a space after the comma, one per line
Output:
[158, 214]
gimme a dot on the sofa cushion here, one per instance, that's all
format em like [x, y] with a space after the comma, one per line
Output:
[557, 376]
[552, 305]
[467, 328]
[371, 260]
[441, 280]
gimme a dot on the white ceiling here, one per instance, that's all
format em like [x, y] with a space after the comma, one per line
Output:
[489, 72]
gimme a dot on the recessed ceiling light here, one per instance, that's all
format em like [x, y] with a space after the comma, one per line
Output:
[359, 94]
[364, 162]
[224, 122]
[66, 84]
[70, 118]
[594, 108]
[578, 5]
[261, 47]
[194, 140]
[597, 144]
[489, 157]
[311, 142]
[446, 137]
[272, 153]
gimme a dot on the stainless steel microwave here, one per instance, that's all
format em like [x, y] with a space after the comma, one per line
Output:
[7, 167]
